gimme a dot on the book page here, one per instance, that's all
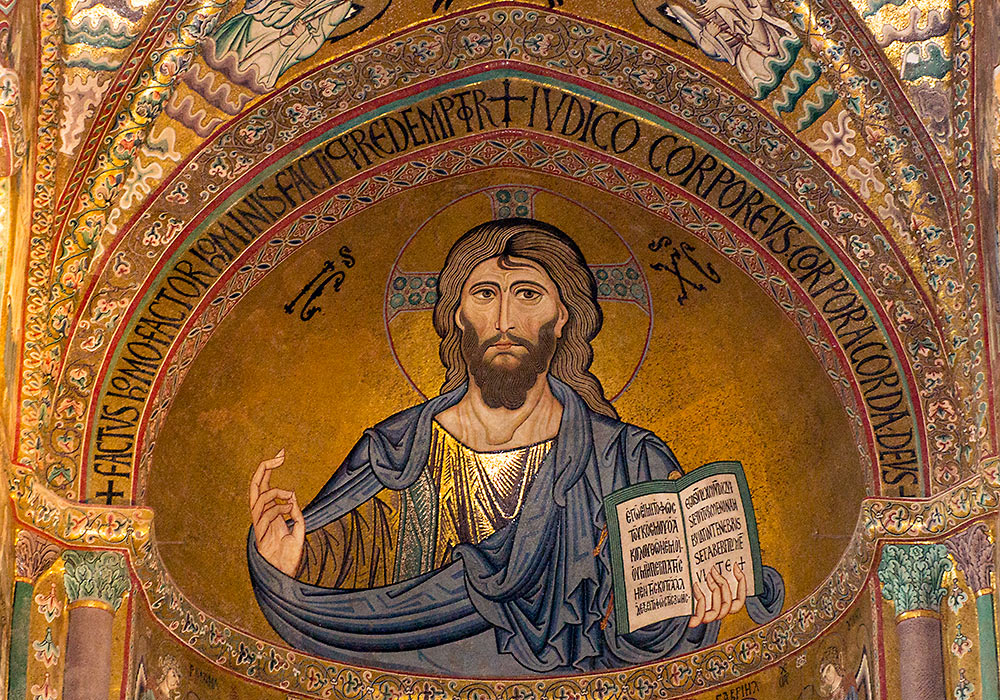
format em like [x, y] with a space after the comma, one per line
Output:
[657, 580]
[717, 534]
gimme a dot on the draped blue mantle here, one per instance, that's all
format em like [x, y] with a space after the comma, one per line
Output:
[531, 598]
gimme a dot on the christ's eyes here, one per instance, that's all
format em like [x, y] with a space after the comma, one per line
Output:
[522, 293]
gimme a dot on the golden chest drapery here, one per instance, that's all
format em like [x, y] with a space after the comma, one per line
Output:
[477, 493]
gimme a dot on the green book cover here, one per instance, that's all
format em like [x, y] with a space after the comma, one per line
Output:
[665, 536]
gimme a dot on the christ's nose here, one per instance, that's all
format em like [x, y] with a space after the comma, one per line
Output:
[504, 322]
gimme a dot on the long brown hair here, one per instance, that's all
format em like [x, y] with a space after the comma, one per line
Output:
[562, 260]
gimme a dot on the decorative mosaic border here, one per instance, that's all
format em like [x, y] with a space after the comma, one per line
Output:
[51, 308]
[128, 81]
[356, 79]
[280, 667]
[953, 280]
[75, 524]
[977, 365]
[37, 360]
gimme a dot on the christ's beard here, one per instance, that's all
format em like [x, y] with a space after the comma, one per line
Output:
[508, 386]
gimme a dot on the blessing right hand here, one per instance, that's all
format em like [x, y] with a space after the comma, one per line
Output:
[270, 510]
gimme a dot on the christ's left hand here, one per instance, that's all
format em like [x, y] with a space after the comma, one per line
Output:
[719, 600]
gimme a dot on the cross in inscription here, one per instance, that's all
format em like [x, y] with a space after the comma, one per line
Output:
[109, 493]
[507, 99]
[446, 4]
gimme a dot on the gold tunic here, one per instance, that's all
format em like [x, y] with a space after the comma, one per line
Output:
[477, 494]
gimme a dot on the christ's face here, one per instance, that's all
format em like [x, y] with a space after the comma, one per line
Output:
[510, 317]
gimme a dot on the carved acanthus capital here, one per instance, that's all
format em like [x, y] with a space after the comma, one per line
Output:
[911, 576]
[100, 578]
[33, 555]
[973, 552]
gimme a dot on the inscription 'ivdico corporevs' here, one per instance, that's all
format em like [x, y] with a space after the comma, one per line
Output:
[459, 113]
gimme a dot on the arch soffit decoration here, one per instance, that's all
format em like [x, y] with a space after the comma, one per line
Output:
[921, 337]
[923, 349]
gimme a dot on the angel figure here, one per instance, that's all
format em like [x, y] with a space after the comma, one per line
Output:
[836, 682]
[271, 36]
[167, 685]
[745, 34]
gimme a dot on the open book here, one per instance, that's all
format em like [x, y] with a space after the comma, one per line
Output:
[665, 536]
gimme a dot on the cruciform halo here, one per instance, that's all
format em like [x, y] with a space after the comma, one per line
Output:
[623, 290]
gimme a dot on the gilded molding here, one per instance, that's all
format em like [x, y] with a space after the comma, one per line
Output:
[91, 603]
[76, 524]
[920, 612]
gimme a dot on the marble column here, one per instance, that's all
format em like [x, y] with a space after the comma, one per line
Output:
[911, 578]
[973, 552]
[33, 555]
[95, 585]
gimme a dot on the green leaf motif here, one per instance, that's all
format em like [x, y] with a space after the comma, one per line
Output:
[96, 576]
[911, 576]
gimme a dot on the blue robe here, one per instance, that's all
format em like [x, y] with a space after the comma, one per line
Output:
[531, 598]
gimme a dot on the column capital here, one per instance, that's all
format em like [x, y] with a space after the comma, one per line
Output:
[95, 578]
[911, 576]
[33, 555]
[973, 552]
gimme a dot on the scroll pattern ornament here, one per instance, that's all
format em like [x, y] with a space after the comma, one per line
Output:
[74, 523]
[938, 515]
[38, 362]
[929, 228]
[89, 223]
[145, 104]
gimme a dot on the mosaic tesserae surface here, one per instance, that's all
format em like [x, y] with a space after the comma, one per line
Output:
[524, 350]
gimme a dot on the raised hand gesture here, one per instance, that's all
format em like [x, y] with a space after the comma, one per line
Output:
[270, 510]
